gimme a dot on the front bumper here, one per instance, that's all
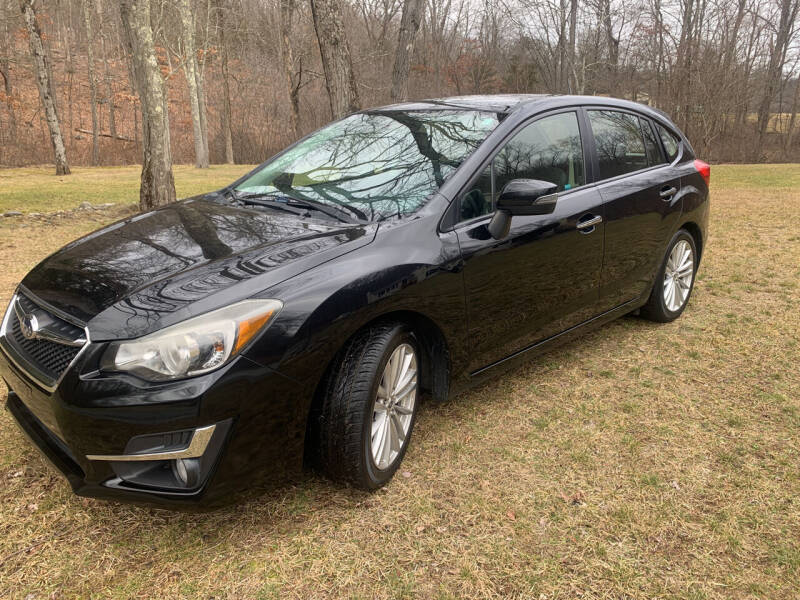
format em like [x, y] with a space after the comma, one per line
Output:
[259, 438]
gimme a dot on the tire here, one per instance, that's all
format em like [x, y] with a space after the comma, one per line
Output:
[661, 306]
[355, 407]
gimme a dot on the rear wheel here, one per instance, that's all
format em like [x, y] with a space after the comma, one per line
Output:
[369, 406]
[674, 281]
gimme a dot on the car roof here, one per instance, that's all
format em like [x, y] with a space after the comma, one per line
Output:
[510, 103]
[507, 103]
[489, 102]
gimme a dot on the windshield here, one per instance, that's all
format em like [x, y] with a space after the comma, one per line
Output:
[383, 164]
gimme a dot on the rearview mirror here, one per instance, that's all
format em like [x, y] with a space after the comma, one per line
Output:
[522, 197]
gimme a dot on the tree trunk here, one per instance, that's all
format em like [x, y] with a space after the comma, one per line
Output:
[12, 121]
[286, 13]
[43, 82]
[69, 73]
[683, 61]
[573, 25]
[133, 86]
[612, 44]
[190, 69]
[409, 25]
[337, 62]
[777, 60]
[201, 97]
[201, 90]
[787, 143]
[158, 185]
[109, 93]
[87, 20]
[659, 99]
[5, 71]
[562, 47]
[226, 90]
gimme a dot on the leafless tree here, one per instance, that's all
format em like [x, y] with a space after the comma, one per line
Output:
[227, 131]
[108, 78]
[87, 7]
[779, 46]
[5, 73]
[193, 82]
[337, 61]
[409, 25]
[157, 186]
[41, 65]
[287, 8]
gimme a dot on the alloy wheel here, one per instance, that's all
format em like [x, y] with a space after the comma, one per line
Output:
[678, 274]
[393, 409]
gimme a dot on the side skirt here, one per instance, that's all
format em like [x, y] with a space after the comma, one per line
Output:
[560, 338]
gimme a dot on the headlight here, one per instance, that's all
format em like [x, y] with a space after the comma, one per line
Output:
[197, 345]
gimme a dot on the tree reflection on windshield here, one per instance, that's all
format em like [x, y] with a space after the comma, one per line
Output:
[383, 164]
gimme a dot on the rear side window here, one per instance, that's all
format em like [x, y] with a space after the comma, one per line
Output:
[651, 145]
[619, 142]
[671, 143]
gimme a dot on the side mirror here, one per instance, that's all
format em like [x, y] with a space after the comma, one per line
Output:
[522, 197]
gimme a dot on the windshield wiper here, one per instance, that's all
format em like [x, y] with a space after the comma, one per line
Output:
[270, 201]
[335, 210]
[288, 203]
[331, 211]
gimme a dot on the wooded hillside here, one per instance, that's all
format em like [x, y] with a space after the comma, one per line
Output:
[725, 70]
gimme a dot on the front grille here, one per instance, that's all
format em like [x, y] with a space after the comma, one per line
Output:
[50, 358]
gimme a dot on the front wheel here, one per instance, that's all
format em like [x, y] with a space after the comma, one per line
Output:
[370, 405]
[674, 281]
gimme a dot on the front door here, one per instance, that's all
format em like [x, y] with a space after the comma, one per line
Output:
[544, 276]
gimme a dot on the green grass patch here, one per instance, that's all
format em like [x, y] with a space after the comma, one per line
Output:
[38, 189]
[754, 177]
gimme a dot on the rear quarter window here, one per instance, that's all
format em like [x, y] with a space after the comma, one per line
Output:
[653, 148]
[670, 141]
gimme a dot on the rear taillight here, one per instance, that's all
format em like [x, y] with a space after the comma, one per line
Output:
[704, 169]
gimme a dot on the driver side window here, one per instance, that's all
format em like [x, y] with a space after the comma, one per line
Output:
[548, 149]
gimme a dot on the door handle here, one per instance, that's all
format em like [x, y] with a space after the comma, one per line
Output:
[667, 193]
[587, 226]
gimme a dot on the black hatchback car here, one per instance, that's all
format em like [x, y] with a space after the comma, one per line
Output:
[300, 312]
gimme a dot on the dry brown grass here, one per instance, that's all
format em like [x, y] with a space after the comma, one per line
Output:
[644, 461]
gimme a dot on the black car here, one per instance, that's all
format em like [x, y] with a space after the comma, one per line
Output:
[298, 315]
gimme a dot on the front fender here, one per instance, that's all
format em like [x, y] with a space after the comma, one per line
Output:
[409, 268]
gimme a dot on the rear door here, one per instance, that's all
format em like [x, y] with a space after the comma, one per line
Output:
[544, 276]
[640, 192]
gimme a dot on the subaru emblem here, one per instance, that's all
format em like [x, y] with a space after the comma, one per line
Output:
[29, 326]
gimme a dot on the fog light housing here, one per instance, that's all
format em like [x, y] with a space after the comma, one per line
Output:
[186, 471]
[175, 461]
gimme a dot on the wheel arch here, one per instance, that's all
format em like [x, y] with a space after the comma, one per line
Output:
[697, 234]
[434, 372]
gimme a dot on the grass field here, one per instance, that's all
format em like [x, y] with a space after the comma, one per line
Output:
[37, 189]
[644, 461]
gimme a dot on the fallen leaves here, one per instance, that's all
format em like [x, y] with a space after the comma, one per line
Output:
[576, 498]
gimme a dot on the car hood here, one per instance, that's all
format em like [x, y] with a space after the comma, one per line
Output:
[163, 266]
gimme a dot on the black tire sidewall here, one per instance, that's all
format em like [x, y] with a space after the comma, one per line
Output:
[377, 477]
[658, 287]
